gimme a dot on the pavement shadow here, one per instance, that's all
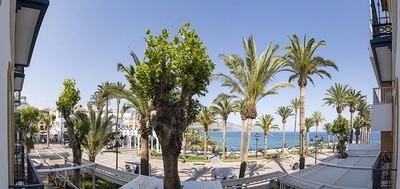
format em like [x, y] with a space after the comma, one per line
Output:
[196, 173]
[253, 169]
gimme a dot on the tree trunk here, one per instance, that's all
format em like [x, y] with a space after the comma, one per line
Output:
[242, 134]
[302, 124]
[92, 158]
[265, 145]
[144, 155]
[144, 145]
[245, 148]
[205, 144]
[357, 139]
[224, 139]
[183, 156]
[76, 150]
[294, 131]
[351, 126]
[170, 160]
[283, 137]
[307, 139]
[116, 138]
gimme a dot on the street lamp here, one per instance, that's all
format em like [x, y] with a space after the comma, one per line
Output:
[257, 137]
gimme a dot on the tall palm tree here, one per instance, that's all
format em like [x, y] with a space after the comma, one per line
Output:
[295, 104]
[143, 115]
[224, 106]
[118, 92]
[265, 122]
[364, 109]
[318, 118]
[358, 124]
[336, 96]
[353, 98]
[105, 93]
[309, 122]
[100, 131]
[284, 112]
[327, 127]
[242, 108]
[206, 118]
[249, 79]
[303, 64]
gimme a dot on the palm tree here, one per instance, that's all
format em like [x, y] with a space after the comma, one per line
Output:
[358, 124]
[117, 91]
[284, 112]
[224, 106]
[303, 64]
[364, 109]
[206, 118]
[242, 108]
[249, 79]
[100, 131]
[327, 127]
[336, 96]
[265, 122]
[105, 93]
[295, 104]
[318, 118]
[353, 98]
[309, 122]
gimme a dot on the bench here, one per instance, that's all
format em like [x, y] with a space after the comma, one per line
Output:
[199, 163]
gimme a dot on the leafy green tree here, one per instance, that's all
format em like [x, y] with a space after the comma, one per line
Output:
[265, 122]
[327, 127]
[284, 112]
[309, 123]
[300, 60]
[336, 96]
[66, 103]
[206, 117]
[295, 105]
[341, 130]
[49, 121]
[100, 131]
[26, 123]
[224, 106]
[173, 72]
[249, 80]
[318, 118]
[353, 98]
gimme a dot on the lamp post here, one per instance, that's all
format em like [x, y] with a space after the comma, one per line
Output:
[257, 137]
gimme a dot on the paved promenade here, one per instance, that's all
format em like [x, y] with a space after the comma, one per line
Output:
[189, 171]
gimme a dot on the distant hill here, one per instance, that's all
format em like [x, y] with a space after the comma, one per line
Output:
[230, 127]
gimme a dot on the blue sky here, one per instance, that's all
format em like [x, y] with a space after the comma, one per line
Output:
[85, 40]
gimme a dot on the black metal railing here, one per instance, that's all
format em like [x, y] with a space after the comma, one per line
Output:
[380, 22]
[25, 174]
[382, 172]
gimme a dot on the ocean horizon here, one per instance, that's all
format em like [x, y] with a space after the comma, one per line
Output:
[274, 141]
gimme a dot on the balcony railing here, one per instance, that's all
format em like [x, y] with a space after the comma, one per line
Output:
[25, 174]
[380, 22]
[382, 172]
[383, 95]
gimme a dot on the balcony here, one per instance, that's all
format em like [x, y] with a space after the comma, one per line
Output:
[381, 41]
[381, 111]
[382, 172]
[25, 174]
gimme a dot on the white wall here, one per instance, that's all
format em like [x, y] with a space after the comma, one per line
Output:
[5, 58]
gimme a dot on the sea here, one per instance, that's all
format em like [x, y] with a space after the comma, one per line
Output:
[274, 141]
